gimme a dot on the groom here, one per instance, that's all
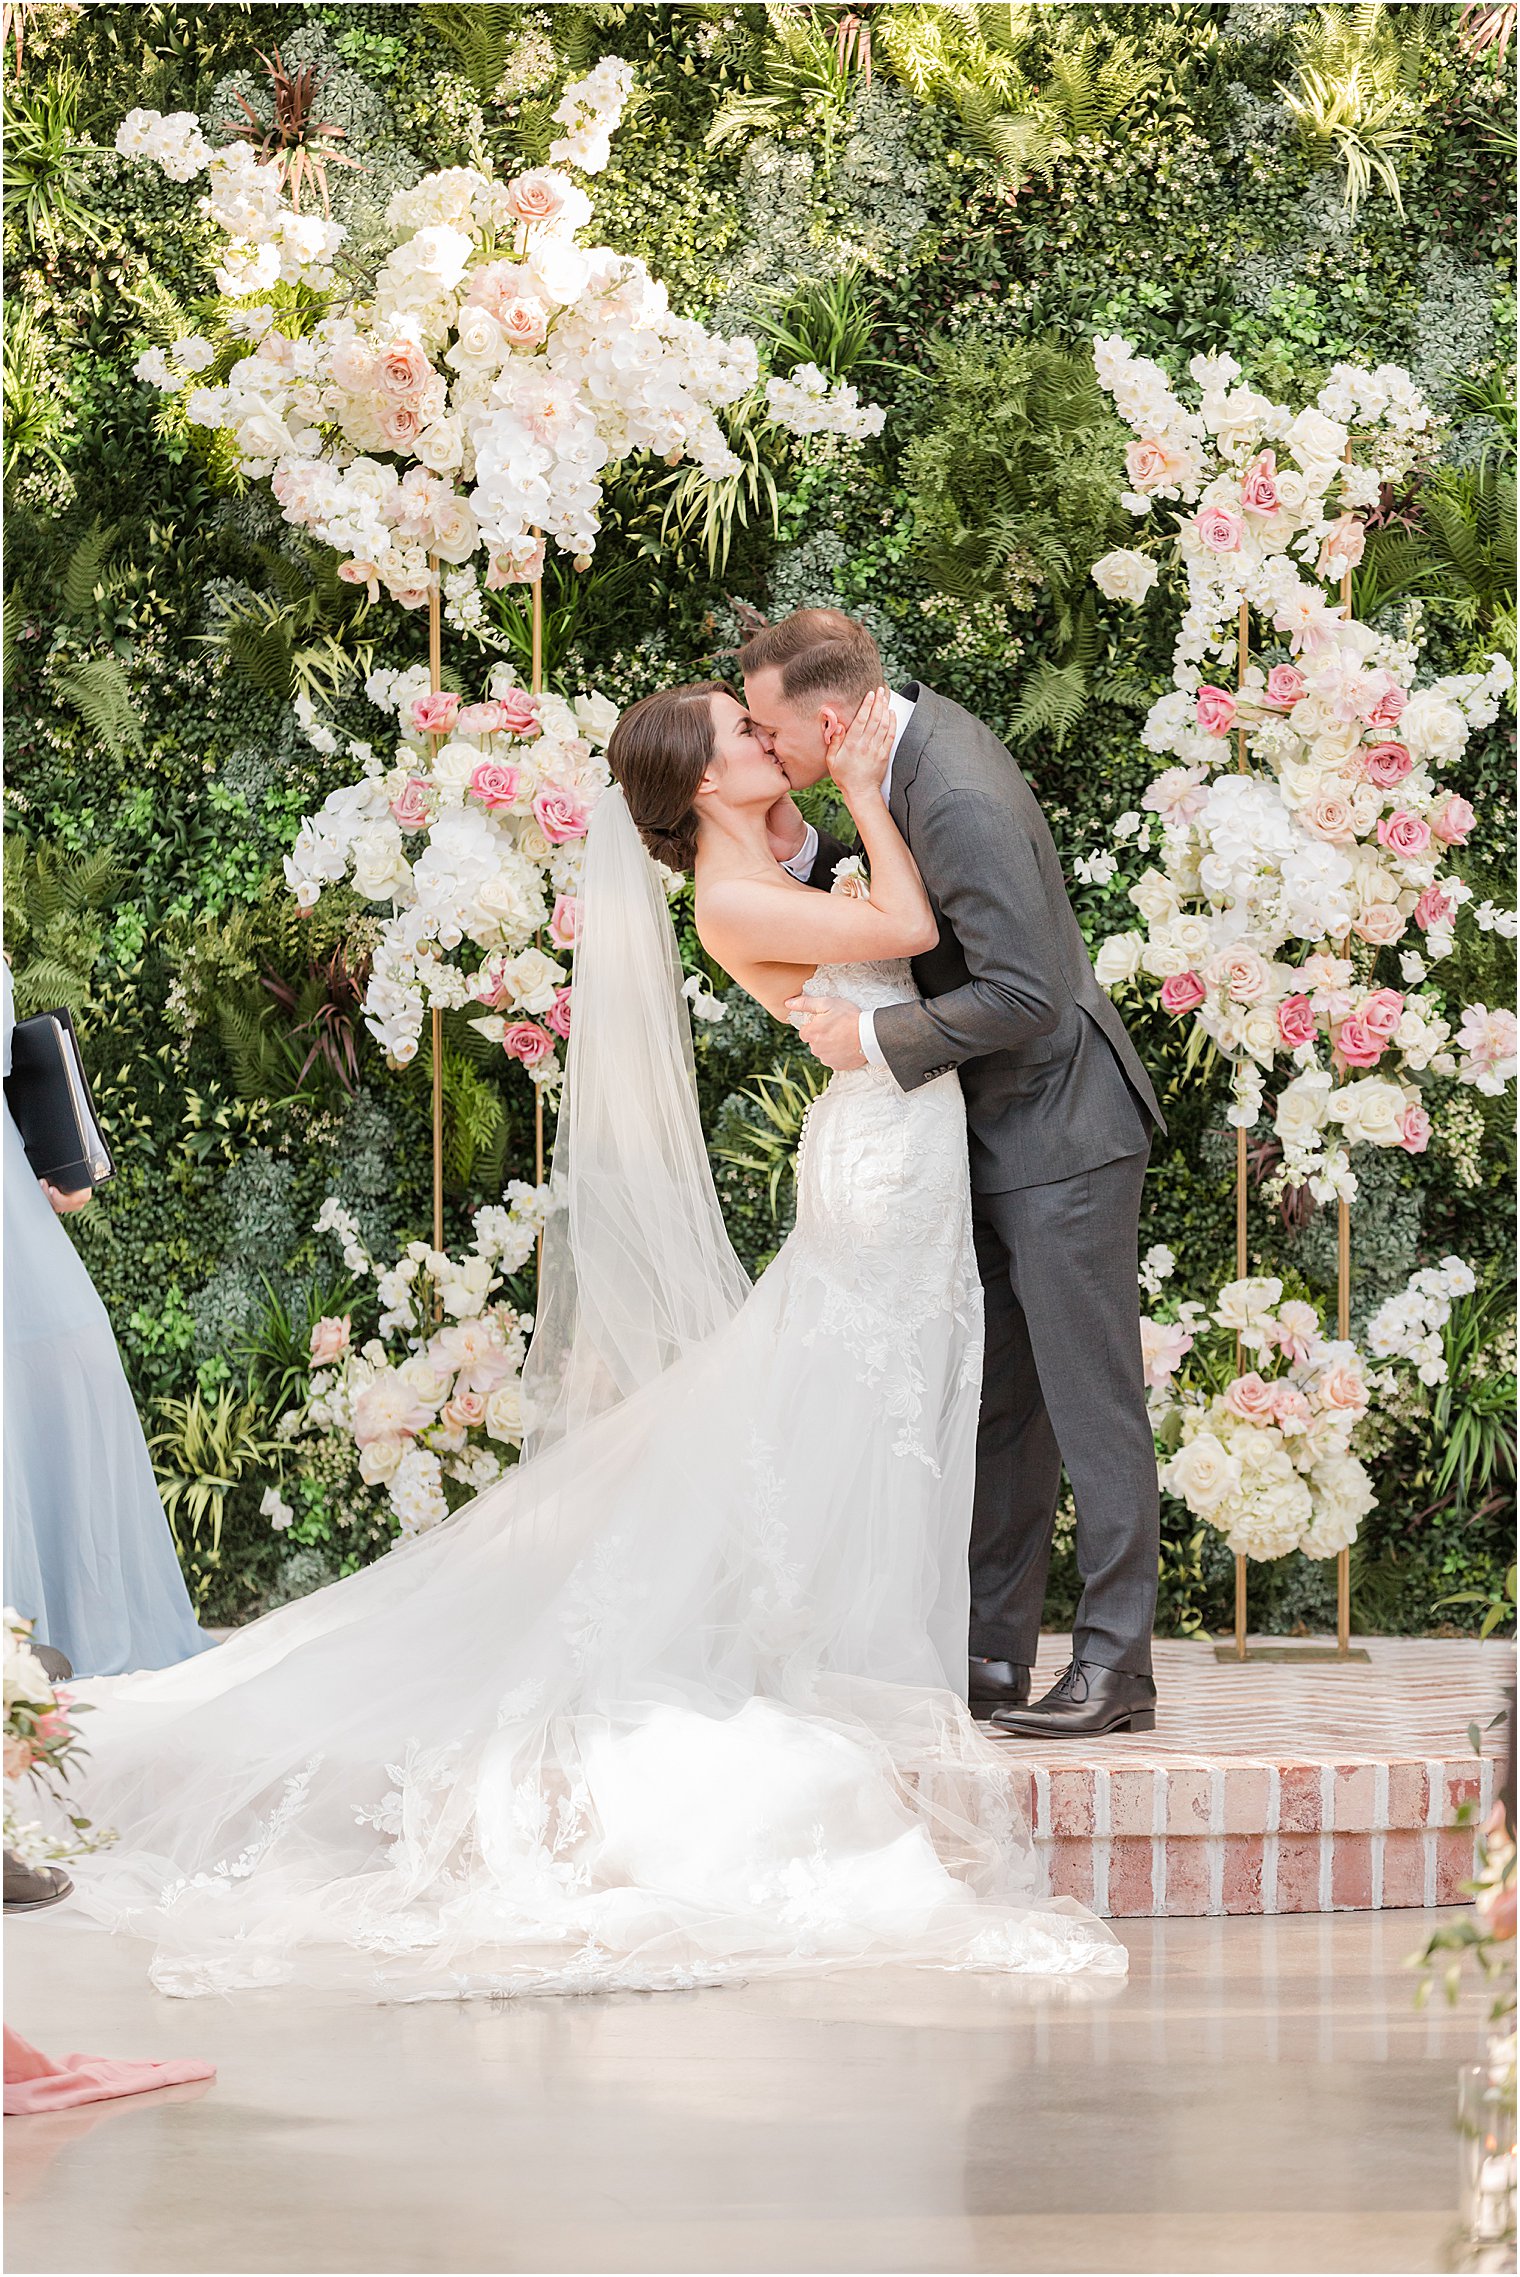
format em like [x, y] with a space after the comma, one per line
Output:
[1060, 1114]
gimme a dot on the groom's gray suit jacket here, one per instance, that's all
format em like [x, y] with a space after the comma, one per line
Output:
[1060, 1113]
[1053, 1084]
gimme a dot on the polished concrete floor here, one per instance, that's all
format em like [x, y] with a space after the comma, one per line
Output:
[1262, 2095]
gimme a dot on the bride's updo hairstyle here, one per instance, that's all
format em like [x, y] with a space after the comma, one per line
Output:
[659, 752]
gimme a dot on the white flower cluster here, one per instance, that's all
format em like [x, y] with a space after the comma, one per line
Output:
[1268, 1460]
[1408, 1327]
[589, 111]
[434, 1396]
[474, 834]
[268, 242]
[1278, 887]
[468, 399]
[805, 405]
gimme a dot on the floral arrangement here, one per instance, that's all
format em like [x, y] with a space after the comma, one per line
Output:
[433, 1401]
[462, 404]
[1264, 1454]
[1408, 1327]
[1280, 886]
[473, 829]
[41, 1745]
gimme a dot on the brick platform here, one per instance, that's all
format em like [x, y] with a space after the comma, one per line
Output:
[1273, 1788]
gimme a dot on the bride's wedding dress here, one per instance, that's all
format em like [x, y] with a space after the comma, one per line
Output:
[675, 1701]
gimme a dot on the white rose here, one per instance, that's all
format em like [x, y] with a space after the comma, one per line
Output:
[1124, 575]
[1301, 1107]
[504, 1414]
[1154, 897]
[378, 1461]
[1118, 959]
[1203, 1473]
[1370, 1112]
[1432, 727]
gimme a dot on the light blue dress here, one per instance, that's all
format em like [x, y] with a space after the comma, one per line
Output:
[88, 1553]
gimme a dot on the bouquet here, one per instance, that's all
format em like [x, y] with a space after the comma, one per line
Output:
[42, 1746]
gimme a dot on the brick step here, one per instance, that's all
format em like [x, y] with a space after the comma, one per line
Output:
[1271, 1787]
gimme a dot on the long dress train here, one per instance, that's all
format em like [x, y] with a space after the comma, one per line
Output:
[674, 1702]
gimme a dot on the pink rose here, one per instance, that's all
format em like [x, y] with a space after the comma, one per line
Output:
[495, 785]
[1285, 684]
[1259, 489]
[1415, 1125]
[435, 714]
[1434, 910]
[410, 806]
[1249, 1398]
[1381, 923]
[1216, 710]
[1344, 1389]
[19, 1756]
[1328, 815]
[519, 714]
[565, 924]
[524, 319]
[1145, 462]
[1291, 1412]
[401, 369]
[481, 719]
[53, 1723]
[1386, 764]
[558, 1015]
[1218, 529]
[526, 1041]
[464, 1412]
[1452, 821]
[561, 815]
[536, 196]
[329, 1339]
[1296, 1023]
[1241, 973]
[1404, 834]
[1388, 710]
[361, 572]
[1355, 1043]
[1184, 992]
[1381, 1012]
[401, 424]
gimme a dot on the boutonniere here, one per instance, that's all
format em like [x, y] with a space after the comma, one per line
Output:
[850, 878]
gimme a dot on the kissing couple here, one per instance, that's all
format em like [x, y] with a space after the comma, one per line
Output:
[683, 1697]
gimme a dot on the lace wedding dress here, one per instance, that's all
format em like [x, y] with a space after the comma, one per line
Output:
[675, 1701]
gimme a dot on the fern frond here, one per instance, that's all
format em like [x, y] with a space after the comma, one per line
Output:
[98, 691]
[81, 579]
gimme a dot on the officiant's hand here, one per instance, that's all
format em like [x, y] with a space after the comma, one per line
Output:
[830, 1028]
[64, 1205]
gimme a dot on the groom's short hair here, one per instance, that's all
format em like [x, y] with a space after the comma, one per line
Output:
[818, 652]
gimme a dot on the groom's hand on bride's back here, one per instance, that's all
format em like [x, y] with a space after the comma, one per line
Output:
[830, 1028]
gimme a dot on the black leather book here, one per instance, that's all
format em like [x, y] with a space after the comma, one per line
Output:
[48, 1094]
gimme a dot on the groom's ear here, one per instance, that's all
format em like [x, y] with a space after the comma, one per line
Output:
[832, 724]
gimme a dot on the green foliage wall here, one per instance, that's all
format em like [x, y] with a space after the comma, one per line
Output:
[973, 216]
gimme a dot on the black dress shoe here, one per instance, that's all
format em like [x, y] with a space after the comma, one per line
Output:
[29, 1888]
[996, 1684]
[1085, 1699]
[57, 1666]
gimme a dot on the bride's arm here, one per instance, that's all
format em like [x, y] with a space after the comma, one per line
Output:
[771, 920]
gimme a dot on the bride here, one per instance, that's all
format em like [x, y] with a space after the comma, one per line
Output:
[676, 1700]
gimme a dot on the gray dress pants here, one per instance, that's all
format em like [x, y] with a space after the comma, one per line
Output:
[1063, 1382]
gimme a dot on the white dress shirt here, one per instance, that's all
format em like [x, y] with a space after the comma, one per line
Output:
[801, 864]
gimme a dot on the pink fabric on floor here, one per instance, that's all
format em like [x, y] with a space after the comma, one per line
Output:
[35, 2082]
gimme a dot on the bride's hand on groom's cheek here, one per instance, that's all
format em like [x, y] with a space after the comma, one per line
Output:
[830, 1028]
